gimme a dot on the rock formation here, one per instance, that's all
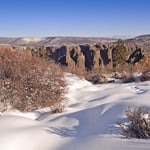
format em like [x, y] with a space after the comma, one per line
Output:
[86, 57]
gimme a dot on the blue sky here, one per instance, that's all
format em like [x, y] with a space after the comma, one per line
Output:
[92, 18]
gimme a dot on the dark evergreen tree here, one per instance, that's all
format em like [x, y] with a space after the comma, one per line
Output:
[119, 54]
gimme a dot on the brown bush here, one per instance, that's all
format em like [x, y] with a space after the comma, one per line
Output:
[29, 83]
[138, 125]
[117, 75]
[145, 75]
[128, 77]
[98, 78]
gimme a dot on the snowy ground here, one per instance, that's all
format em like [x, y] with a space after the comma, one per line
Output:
[88, 122]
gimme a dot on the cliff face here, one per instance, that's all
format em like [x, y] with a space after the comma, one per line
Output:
[89, 57]
[85, 57]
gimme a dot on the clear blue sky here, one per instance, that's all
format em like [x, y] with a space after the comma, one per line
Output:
[99, 18]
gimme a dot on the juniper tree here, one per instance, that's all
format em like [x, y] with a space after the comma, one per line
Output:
[119, 54]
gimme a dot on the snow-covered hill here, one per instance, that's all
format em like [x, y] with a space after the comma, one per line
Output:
[55, 41]
[142, 40]
[87, 123]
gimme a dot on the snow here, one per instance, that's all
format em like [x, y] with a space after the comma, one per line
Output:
[33, 39]
[89, 121]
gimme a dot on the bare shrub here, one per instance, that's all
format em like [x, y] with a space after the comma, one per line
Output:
[94, 78]
[124, 76]
[98, 78]
[128, 77]
[145, 75]
[29, 83]
[117, 75]
[138, 125]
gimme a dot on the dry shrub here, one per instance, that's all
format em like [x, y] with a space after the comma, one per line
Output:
[98, 78]
[128, 77]
[117, 75]
[145, 75]
[94, 78]
[138, 125]
[29, 83]
[124, 76]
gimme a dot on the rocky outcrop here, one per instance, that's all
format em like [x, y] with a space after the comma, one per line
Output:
[86, 57]
[135, 56]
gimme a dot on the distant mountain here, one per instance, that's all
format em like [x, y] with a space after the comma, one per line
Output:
[144, 36]
[141, 38]
[142, 41]
[56, 41]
